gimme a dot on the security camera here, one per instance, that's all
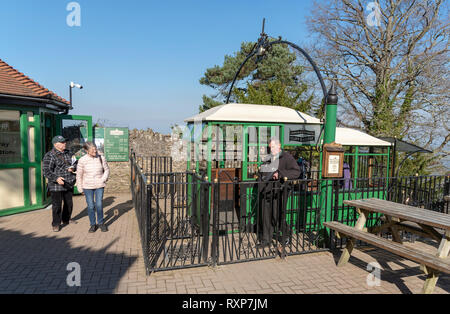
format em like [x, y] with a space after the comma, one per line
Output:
[72, 84]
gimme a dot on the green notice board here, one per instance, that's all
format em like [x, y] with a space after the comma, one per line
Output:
[115, 143]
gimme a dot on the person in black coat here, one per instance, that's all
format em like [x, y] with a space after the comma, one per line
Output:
[277, 166]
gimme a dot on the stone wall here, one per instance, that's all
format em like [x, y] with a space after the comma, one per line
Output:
[143, 143]
[149, 143]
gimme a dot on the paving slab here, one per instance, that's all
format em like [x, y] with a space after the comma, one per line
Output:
[34, 259]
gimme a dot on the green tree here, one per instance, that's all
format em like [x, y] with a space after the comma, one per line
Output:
[393, 75]
[416, 164]
[275, 80]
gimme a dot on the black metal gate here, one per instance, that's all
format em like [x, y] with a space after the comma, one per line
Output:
[246, 214]
[186, 221]
[173, 219]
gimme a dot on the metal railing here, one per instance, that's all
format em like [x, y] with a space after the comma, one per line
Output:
[154, 164]
[421, 191]
[140, 192]
[186, 221]
[172, 220]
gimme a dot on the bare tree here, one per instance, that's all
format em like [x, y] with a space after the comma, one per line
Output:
[391, 62]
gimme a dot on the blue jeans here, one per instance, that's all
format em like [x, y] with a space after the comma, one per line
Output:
[94, 206]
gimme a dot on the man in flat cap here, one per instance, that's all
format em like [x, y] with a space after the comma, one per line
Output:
[59, 167]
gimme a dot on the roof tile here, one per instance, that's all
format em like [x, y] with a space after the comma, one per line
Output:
[13, 82]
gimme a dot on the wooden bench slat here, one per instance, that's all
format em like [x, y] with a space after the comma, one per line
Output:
[395, 207]
[432, 261]
[418, 215]
[410, 209]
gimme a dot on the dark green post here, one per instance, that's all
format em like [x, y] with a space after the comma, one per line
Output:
[331, 111]
[329, 137]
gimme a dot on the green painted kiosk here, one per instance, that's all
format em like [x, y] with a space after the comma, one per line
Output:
[30, 115]
[228, 143]
[236, 137]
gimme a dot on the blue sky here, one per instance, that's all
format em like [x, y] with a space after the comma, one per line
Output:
[140, 61]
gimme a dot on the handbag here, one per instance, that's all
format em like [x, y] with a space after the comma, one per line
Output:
[68, 186]
[101, 162]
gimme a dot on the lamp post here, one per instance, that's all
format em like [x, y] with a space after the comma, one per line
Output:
[330, 118]
[72, 85]
[330, 99]
[263, 45]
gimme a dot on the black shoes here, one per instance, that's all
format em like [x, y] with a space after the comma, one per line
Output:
[102, 227]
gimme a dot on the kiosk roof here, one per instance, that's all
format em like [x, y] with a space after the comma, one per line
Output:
[352, 137]
[254, 113]
[284, 115]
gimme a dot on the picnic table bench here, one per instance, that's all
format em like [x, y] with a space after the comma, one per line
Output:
[399, 217]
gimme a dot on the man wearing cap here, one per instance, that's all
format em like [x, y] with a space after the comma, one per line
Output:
[59, 168]
[277, 166]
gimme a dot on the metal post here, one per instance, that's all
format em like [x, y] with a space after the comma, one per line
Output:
[329, 137]
[215, 223]
[394, 157]
[331, 110]
[147, 228]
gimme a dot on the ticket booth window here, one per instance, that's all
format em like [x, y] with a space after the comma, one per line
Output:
[226, 146]
[10, 144]
[258, 140]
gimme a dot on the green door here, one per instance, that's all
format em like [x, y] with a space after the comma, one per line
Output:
[77, 130]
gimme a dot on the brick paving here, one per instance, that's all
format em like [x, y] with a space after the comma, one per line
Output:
[33, 259]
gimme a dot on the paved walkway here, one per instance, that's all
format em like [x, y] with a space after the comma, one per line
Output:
[33, 259]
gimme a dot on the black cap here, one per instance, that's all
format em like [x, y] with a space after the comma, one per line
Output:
[332, 98]
[58, 139]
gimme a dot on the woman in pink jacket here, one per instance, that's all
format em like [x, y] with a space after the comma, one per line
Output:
[92, 174]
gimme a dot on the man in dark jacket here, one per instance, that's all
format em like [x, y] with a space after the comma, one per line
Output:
[59, 168]
[278, 166]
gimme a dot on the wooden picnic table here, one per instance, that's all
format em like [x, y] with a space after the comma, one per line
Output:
[400, 217]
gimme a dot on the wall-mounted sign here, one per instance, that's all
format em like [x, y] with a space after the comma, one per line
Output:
[333, 164]
[301, 134]
[116, 132]
[113, 142]
[333, 161]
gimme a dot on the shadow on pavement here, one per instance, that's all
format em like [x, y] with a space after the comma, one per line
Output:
[117, 211]
[396, 276]
[36, 264]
